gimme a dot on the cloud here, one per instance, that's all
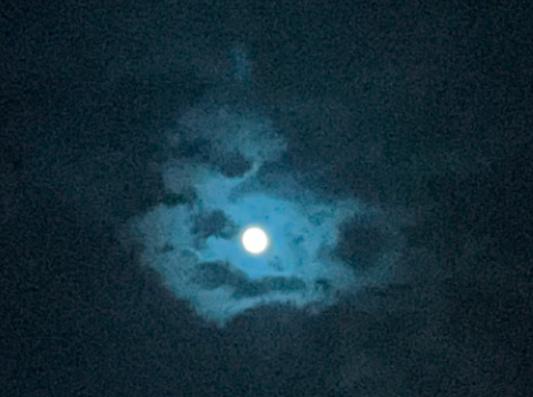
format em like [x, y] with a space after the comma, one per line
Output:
[218, 185]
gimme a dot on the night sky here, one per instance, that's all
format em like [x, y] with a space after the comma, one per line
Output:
[420, 113]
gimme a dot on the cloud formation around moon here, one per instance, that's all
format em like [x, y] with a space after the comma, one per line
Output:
[217, 189]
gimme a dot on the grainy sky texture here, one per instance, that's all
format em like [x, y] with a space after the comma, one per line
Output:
[388, 144]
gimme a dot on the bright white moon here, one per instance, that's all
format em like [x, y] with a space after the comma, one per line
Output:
[254, 240]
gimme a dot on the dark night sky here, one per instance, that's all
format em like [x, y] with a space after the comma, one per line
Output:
[443, 92]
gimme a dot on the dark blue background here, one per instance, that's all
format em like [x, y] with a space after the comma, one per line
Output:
[87, 89]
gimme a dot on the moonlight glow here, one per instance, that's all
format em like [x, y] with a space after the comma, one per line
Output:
[200, 238]
[254, 240]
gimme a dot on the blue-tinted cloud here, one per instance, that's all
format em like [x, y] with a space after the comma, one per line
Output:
[193, 238]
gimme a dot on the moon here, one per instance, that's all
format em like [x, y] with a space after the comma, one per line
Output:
[254, 240]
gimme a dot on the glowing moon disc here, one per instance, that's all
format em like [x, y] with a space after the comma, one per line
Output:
[254, 240]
